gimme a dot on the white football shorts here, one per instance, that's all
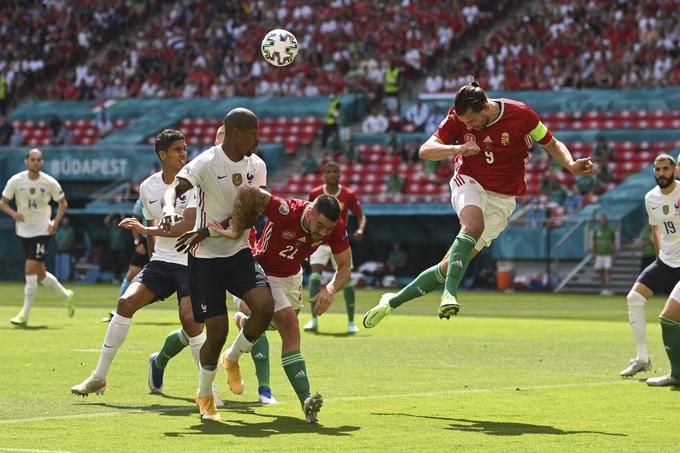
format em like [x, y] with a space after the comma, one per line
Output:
[287, 292]
[497, 208]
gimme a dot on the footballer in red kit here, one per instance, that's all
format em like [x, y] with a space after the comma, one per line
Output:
[490, 140]
[285, 244]
[323, 255]
[295, 228]
[504, 146]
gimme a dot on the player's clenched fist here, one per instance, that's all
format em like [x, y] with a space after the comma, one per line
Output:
[468, 149]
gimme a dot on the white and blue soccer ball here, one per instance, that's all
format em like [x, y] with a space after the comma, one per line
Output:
[279, 47]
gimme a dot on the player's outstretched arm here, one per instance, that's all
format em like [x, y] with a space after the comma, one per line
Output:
[176, 229]
[324, 299]
[560, 152]
[178, 187]
[435, 149]
[248, 204]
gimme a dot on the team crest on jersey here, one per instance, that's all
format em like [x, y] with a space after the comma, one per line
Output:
[288, 235]
[32, 190]
[284, 209]
[505, 139]
[666, 209]
[469, 138]
[250, 176]
[237, 179]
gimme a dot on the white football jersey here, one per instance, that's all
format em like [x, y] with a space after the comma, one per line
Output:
[151, 193]
[32, 197]
[216, 179]
[663, 212]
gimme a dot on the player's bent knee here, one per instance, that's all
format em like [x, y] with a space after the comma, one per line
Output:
[635, 299]
[128, 305]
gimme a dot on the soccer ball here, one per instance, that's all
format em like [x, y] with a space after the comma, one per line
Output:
[279, 47]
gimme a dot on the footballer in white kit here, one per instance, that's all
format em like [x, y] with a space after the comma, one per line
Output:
[663, 273]
[165, 274]
[32, 191]
[218, 265]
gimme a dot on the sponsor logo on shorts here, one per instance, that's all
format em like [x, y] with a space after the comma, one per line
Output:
[204, 308]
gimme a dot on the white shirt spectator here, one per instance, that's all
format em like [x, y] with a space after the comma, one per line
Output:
[103, 122]
[417, 114]
[375, 123]
[434, 83]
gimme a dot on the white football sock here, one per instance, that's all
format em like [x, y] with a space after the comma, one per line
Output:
[240, 346]
[196, 343]
[205, 382]
[30, 289]
[115, 335]
[51, 282]
[638, 323]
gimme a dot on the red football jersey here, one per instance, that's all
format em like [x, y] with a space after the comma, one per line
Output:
[285, 245]
[499, 167]
[346, 197]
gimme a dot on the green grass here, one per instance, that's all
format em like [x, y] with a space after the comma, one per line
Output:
[514, 372]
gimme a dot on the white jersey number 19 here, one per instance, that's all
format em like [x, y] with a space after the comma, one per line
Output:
[670, 228]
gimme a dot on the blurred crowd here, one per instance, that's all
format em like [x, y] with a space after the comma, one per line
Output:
[576, 44]
[211, 49]
[39, 38]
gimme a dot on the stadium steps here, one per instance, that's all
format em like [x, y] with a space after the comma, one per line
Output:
[626, 268]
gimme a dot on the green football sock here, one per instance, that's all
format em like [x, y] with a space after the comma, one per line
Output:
[174, 343]
[670, 332]
[427, 281]
[296, 370]
[459, 260]
[260, 354]
[314, 288]
[348, 292]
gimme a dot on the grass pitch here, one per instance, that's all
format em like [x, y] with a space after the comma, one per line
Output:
[513, 372]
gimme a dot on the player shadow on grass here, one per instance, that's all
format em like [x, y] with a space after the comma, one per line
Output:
[492, 428]
[334, 334]
[10, 327]
[278, 424]
[173, 411]
[156, 323]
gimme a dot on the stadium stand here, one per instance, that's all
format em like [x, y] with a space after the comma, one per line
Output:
[578, 44]
[39, 133]
[345, 52]
[40, 39]
[291, 132]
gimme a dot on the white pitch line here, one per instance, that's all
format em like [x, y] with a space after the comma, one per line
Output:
[341, 398]
[30, 450]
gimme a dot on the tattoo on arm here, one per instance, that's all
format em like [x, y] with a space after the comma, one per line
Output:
[249, 202]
